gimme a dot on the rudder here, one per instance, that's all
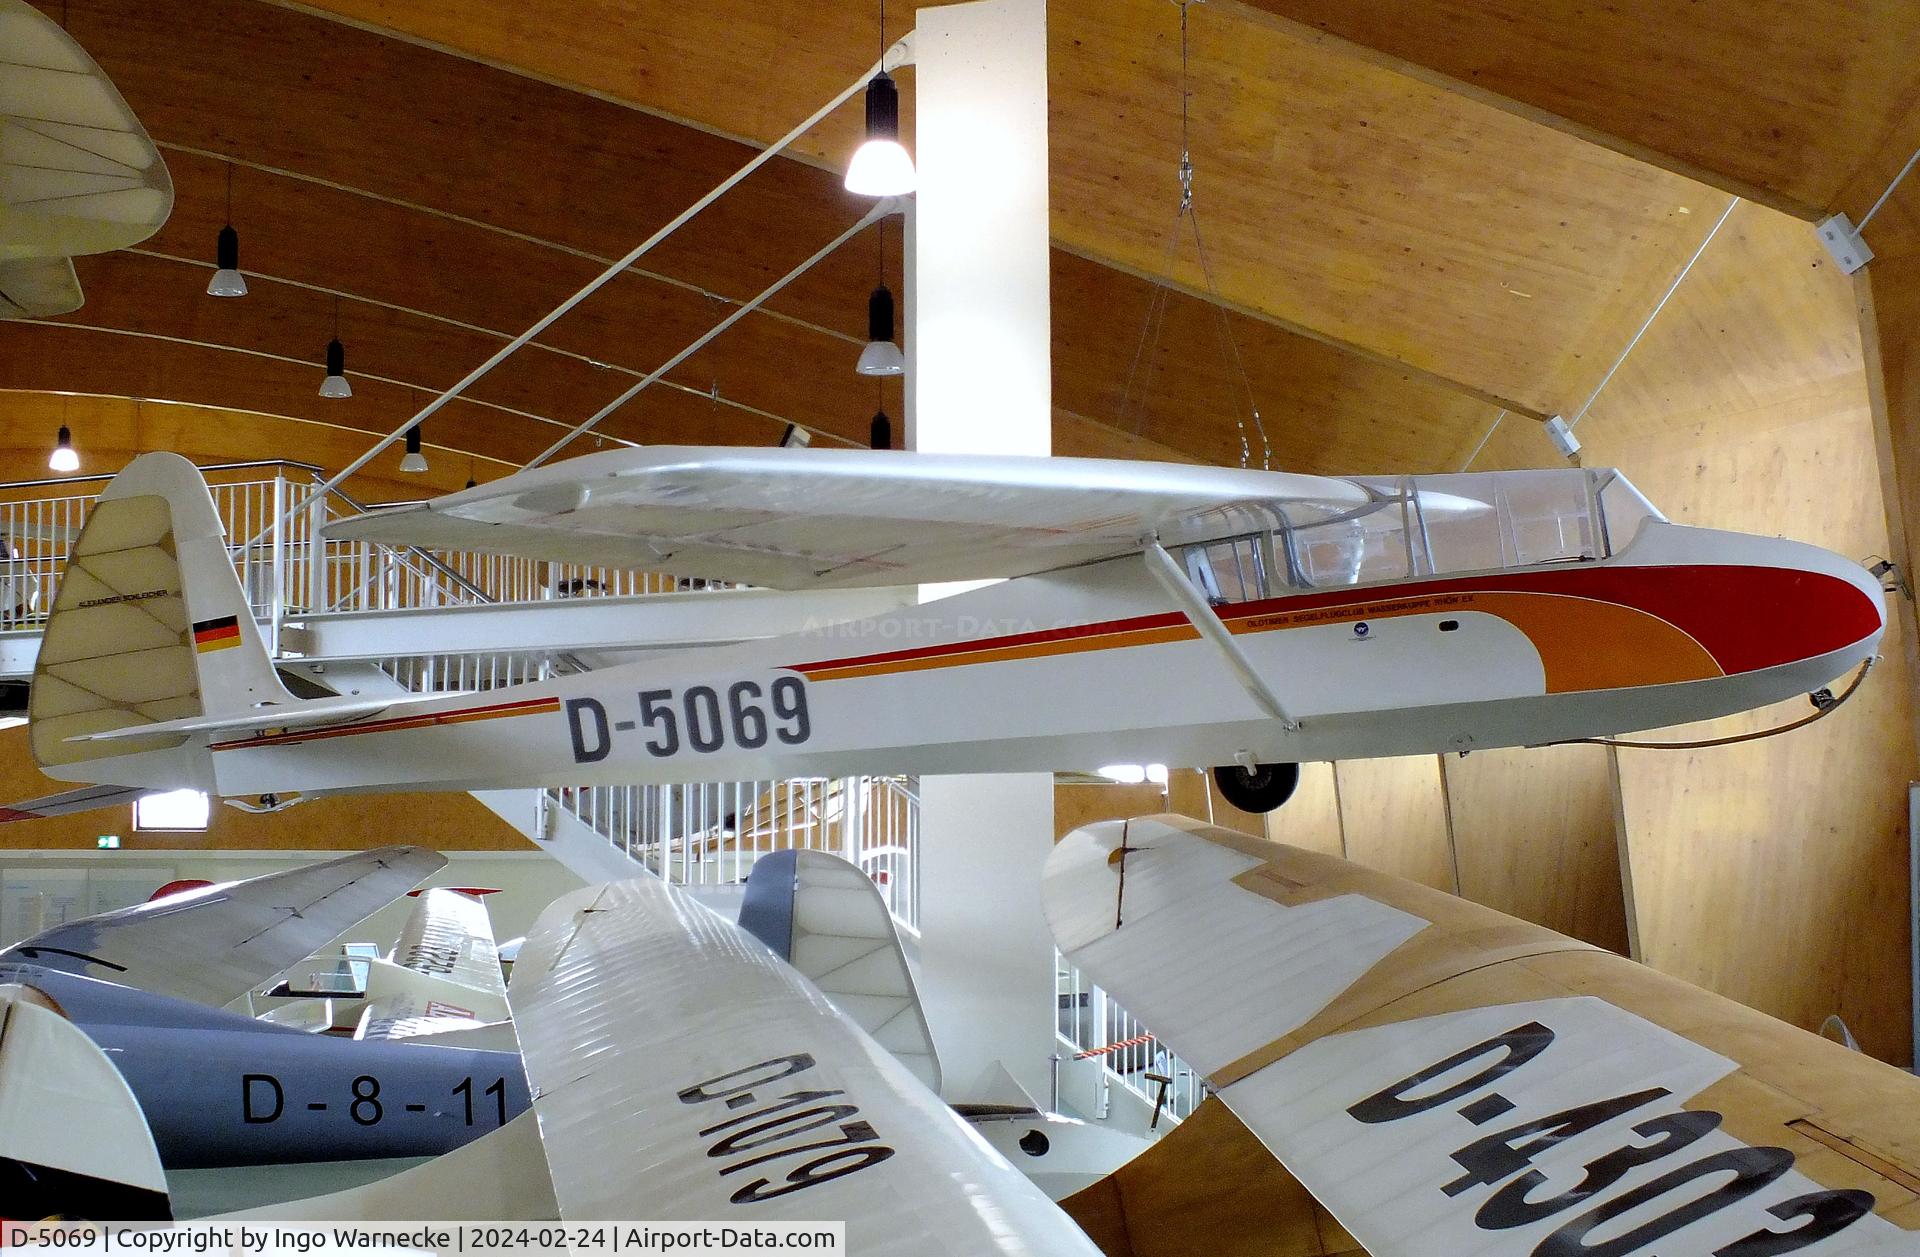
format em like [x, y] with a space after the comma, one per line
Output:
[150, 623]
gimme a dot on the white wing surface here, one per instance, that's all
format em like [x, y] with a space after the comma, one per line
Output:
[682, 1071]
[215, 944]
[1444, 1079]
[821, 519]
[38, 288]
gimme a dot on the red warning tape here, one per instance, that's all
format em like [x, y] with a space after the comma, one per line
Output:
[1114, 1047]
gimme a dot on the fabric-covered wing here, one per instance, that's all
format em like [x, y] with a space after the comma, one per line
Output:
[78, 173]
[38, 288]
[85, 799]
[214, 945]
[680, 1070]
[826, 918]
[1445, 1079]
[820, 519]
[444, 975]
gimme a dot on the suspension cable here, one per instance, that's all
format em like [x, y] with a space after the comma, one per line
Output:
[1154, 323]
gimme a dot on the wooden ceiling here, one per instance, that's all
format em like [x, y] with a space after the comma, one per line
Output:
[1397, 263]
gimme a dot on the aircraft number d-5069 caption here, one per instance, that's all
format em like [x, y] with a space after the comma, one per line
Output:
[742, 715]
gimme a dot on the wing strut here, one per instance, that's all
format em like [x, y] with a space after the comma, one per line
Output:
[1189, 600]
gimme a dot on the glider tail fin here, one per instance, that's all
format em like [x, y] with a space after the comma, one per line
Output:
[150, 623]
[76, 1144]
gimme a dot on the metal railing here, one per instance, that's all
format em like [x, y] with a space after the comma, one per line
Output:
[708, 834]
[711, 834]
[293, 570]
[1092, 1025]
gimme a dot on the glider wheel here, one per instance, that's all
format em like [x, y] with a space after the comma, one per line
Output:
[1262, 789]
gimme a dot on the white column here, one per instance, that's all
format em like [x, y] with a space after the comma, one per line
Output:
[978, 340]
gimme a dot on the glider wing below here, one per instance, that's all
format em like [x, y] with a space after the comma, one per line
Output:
[1445, 1079]
[214, 945]
[681, 1070]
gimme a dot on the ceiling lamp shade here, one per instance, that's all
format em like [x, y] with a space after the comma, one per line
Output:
[227, 281]
[335, 384]
[64, 458]
[881, 356]
[795, 438]
[881, 166]
[880, 432]
[414, 460]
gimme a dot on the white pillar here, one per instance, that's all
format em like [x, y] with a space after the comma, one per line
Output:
[978, 340]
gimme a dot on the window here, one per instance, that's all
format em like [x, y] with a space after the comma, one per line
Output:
[1230, 570]
[175, 810]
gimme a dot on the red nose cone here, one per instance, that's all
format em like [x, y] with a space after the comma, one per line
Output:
[177, 888]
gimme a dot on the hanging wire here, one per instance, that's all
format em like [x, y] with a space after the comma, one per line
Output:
[1155, 321]
[229, 194]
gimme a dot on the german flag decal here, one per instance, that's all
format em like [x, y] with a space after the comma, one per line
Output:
[216, 634]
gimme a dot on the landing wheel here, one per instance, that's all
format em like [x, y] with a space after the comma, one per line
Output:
[1261, 789]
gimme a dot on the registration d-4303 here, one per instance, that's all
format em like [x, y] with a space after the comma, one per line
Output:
[738, 715]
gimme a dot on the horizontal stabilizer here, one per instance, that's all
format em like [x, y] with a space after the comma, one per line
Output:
[212, 946]
[308, 715]
[68, 802]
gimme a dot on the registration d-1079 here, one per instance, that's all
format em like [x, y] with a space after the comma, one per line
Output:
[741, 715]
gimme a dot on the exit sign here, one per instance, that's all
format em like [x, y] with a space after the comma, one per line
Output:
[107, 842]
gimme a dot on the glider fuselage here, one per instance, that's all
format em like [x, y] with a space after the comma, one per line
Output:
[1095, 664]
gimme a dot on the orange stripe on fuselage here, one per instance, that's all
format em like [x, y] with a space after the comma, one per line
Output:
[1583, 643]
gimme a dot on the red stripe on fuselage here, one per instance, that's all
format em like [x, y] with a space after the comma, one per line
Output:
[1747, 618]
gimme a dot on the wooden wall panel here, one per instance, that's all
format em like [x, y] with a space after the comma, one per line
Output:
[1773, 871]
[1337, 195]
[1325, 409]
[445, 822]
[1076, 804]
[1311, 818]
[1394, 816]
[1534, 835]
[1785, 99]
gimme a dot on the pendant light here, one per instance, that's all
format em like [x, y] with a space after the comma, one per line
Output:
[881, 355]
[334, 384]
[64, 459]
[881, 166]
[880, 431]
[227, 281]
[414, 460]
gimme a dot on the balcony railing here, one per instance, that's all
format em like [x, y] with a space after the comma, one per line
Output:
[1092, 1025]
[704, 834]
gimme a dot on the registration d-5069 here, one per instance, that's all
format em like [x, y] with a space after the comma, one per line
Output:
[743, 715]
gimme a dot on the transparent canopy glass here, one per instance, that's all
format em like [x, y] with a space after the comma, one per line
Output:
[1420, 526]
